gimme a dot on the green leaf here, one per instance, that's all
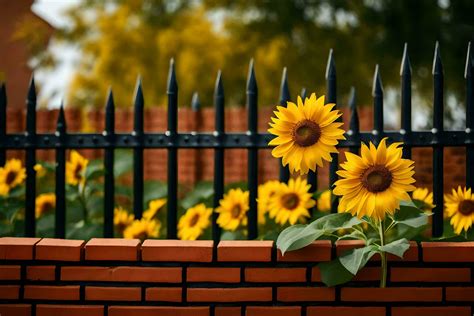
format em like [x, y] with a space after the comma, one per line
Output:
[410, 215]
[45, 225]
[153, 190]
[203, 191]
[237, 235]
[86, 231]
[356, 259]
[333, 273]
[94, 170]
[123, 162]
[397, 247]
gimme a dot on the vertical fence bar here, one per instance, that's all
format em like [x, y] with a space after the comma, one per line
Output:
[138, 152]
[172, 92]
[109, 158]
[377, 94]
[312, 175]
[284, 97]
[469, 117]
[354, 128]
[30, 192]
[405, 80]
[197, 119]
[331, 97]
[60, 185]
[252, 178]
[438, 129]
[3, 122]
[219, 101]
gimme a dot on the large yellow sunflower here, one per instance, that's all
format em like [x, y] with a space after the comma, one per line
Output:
[291, 202]
[265, 193]
[11, 175]
[374, 183]
[193, 223]
[142, 229]
[76, 169]
[460, 207]
[153, 207]
[122, 219]
[425, 196]
[45, 203]
[233, 209]
[305, 133]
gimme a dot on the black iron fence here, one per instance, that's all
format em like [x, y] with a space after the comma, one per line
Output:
[219, 140]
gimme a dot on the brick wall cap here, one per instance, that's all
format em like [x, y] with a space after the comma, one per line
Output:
[177, 243]
[17, 248]
[19, 241]
[441, 244]
[246, 243]
[113, 242]
[112, 249]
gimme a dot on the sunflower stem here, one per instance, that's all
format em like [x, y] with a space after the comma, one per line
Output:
[383, 277]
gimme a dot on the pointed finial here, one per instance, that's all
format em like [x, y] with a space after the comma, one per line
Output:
[469, 62]
[219, 87]
[139, 105]
[195, 102]
[377, 88]
[172, 86]
[354, 121]
[139, 101]
[32, 91]
[437, 64]
[405, 68]
[331, 66]
[109, 103]
[3, 95]
[110, 113]
[251, 81]
[284, 89]
[303, 93]
[61, 123]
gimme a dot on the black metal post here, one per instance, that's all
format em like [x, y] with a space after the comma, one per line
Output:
[138, 152]
[469, 117]
[354, 129]
[30, 145]
[252, 178]
[219, 102]
[284, 98]
[3, 122]
[109, 182]
[60, 185]
[377, 93]
[172, 92]
[405, 75]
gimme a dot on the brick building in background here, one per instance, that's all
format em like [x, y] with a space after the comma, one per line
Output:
[14, 52]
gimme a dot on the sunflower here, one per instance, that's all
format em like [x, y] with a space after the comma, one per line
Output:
[40, 170]
[305, 133]
[424, 196]
[11, 175]
[45, 203]
[265, 193]
[374, 183]
[153, 207]
[460, 207]
[291, 202]
[122, 219]
[233, 209]
[193, 223]
[324, 201]
[76, 169]
[142, 229]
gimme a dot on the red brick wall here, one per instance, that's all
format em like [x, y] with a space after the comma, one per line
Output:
[164, 277]
[195, 165]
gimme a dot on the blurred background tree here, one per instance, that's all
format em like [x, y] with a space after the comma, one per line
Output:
[123, 39]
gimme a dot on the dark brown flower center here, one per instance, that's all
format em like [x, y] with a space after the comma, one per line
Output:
[306, 133]
[194, 220]
[377, 179]
[466, 207]
[47, 207]
[10, 178]
[290, 201]
[235, 212]
[77, 171]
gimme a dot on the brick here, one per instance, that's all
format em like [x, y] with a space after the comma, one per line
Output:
[430, 274]
[59, 249]
[260, 294]
[122, 274]
[112, 249]
[275, 275]
[69, 310]
[16, 248]
[345, 245]
[221, 275]
[52, 292]
[318, 251]
[177, 250]
[245, 251]
[448, 251]
[100, 293]
[460, 294]
[9, 292]
[41, 273]
[227, 311]
[15, 309]
[344, 311]
[273, 311]
[432, 311]
[392, 294]
[9, 273]
[158, 310]
[164, 294]
[305, 294]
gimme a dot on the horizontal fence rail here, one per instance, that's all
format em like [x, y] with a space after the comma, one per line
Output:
[251, 140]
